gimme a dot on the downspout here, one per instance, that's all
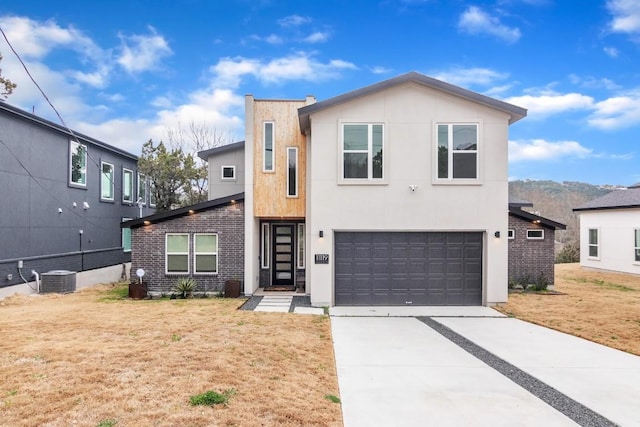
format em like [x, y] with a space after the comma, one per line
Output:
[37, 276]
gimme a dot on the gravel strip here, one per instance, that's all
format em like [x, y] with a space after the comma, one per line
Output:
[300, 301]
[563, 403]
[251, 303]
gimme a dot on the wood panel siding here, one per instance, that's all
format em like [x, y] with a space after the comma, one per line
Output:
[270, 188]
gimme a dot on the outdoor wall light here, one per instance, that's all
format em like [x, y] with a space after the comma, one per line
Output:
[497, 234]
[59, 210]
[85, 205]
[321, 234]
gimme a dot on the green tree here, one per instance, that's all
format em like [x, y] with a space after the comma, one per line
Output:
[165, 168]
[6, 85]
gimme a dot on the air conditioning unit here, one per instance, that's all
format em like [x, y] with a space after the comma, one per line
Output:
[58, 281]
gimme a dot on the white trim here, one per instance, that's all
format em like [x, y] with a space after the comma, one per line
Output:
[111, 181]
[84, 173]
[166, 253]
[225, 178]
[122, 236]
[265, 242]
[368, 151]
[300, 256]
[450, 153]
[196, 253]
[294, 149]
[142, 179]
[536, 230]
[132, 186]
[511, 233]
[273, 146]
[596, 245]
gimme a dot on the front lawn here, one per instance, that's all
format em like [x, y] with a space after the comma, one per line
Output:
[95, 359]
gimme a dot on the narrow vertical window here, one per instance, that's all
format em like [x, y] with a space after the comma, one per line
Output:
[593, 243]
[142, 189]
[152, 194]
[292, 172]
[205, 253]
[127, 186]
[268, 158]
[177, 253]
[266, 241]
[301, 231]
[126, 237]
[77, 164]
[106, 181]
[636, 248]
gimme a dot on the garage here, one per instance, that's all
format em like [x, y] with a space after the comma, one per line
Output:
[408, 268]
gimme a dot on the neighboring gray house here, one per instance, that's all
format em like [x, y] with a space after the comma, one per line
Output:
[63, 196]
[610, 231]
[531, 245]
[226, 169]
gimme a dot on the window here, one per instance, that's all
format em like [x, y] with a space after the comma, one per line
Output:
[268, 158]
[127, 186]
[636, 248]
[126, 237]
[77, 164]
[152, 194]
[362, 151]
[205, 260]
[228, 173]
[177, 253]
[537, 234]
[457, 151]
[265, 246]
[142, 189]
[106, 181]
[511, 233]
[301, 231]
[292, 172]
[593, 243]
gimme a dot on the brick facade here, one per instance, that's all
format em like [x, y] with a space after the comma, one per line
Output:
[148, 247]
[529, 258]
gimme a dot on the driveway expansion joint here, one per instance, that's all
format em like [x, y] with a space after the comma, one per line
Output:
[561, 402]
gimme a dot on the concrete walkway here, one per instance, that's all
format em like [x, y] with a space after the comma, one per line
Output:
[407, 372]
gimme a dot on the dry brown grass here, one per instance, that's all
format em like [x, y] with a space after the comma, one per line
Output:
[600, 306]
[83, 359]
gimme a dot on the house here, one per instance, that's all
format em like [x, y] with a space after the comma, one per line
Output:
[531, 245]
[63, 197]
[392, 194]
[610, 231]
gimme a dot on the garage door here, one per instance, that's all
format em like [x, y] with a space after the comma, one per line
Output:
[408, 268]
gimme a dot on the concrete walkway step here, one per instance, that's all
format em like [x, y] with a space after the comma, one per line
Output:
[275, 304]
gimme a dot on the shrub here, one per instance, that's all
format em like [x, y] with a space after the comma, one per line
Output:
[210, 398]
[185, 287]
[569, 253]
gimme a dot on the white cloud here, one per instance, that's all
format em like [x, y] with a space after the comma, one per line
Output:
[470, 76]
[617, 112]
[273, 39]
[293, 21]
[317, 37]
[143, 52]
[379, 69]
[539, 149]
[611, 51]
[476, 21]
[626, 16]
[593, 82]
[547, 104]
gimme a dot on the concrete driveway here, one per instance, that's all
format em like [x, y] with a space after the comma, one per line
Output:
[478, 371]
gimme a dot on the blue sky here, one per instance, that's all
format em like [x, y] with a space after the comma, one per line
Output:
[127, 71]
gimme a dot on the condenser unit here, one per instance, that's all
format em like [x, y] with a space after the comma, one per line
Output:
[58, 281]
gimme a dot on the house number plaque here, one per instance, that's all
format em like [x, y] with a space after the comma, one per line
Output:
[322, 258]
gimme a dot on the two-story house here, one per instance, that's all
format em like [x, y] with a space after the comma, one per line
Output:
[63, 196]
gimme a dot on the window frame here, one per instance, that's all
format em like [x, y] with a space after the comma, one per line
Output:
[152, 194]
[196, 253]
[111, 180]
[450, 179]
[167, 254]
[295, 171]
[273, 147]
[636, 248]
[83, 168]
[595, 245]
[127, 171]
[122, 236]
[142, 184]
[536, 230]
[265, 242]
[300, 252]
[369, 152]
[233, 173]
[511, 233]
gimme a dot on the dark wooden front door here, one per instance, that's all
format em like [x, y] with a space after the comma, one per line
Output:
[283, 255]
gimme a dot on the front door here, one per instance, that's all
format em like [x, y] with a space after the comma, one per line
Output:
[283, 255]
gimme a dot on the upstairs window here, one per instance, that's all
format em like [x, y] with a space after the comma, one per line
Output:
[362, 146]
[228, 173]
[292, 172]
[77, 164]
[142, 189]
[106, 181]
[127, 186]
[594, 245]
[152, 194]
[457, 151]
[268, 160]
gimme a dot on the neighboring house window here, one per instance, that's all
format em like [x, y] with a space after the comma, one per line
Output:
[106, 181]
[205, 253]
[264, 254]
[152, 194]
[77, 164]
[127, 186]
[177, 253]
[457, 151]
[362, 146]
[636, 248]
[511, 233]
[292, 172]
[301, 231]
[537, 234]
[593, 243]
[126, 237]
[269, 142]
[228, 173]
[142, 189]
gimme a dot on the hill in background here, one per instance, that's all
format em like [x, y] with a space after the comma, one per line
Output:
[555, 200]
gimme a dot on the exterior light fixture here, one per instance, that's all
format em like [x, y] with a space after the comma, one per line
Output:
[191, 211]
[321, 234]
[85, 205]
[146, 222]
[497, 234]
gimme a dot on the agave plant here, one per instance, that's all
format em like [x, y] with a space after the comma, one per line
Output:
[185, 287]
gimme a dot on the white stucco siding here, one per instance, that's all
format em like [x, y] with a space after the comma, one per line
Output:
[616, 239]
[409, 114]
